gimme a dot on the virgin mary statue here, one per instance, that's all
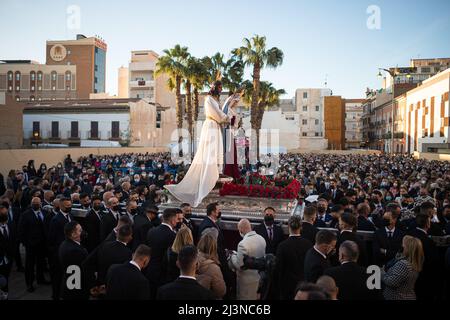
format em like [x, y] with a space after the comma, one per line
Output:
[207, 164]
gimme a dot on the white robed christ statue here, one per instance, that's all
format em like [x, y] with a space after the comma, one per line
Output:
[207, 164]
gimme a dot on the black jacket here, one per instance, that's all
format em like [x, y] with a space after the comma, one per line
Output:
[432, 267]
[184, 289]
[107, 224]
[110, 253]
[351, 236]
[315, 265]
[31, 230]
[8, 243]
[206, 224]
[391, 245]
[290, 263]
[72, 254]
[351, 279]
[56, 231]
[92, 227]
[309, 231]
[159, 239]
[277, 237]
[365, 225]
[126, 282]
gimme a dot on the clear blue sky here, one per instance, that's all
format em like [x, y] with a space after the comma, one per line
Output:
[319, 38]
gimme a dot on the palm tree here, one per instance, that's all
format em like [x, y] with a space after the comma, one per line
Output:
[255, 54]
[191, 66]
[233, 74]
[171, 63]
[268, 97]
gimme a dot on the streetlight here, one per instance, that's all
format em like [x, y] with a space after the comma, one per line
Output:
[393, 74]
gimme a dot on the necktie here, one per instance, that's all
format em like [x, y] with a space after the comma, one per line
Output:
[4, 231]
[270, 234]
[389, 234]
[39, 216]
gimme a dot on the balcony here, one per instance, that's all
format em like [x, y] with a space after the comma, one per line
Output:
[141, 84]
[95, 136]
[36, 137]
[113, 137]
[73, 135]
[142, 66]
[54, 136]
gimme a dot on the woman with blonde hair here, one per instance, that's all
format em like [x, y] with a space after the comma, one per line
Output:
[183, 238]
[401, 278]
[209, 274]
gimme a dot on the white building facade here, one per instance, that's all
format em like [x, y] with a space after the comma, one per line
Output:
[141, 79]
[353, 123]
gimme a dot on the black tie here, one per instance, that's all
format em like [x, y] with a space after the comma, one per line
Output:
[270, 234]
[389, 234]
[5, 232]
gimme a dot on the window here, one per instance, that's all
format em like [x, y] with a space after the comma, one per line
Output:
[316, 121]
[317, 108]
[54, 88]
[54, 76]
[95, 79]
[69, 52]
[115, 129]
[17, 88]
[39, 76]
[317, 134]
[17, 98]
[17, 76]
[305, 108]
[68, 76]
[74, 129]
[96, 50]
[36, 129]
[55, 129]
[68, 63]
[32, 98]
[32, 76]
[32, 88]
[96, 68]
[10, 88]
[94, 129]
[39, 88]
[10, 76]
[305, 95]
[304, 134]
[304, 122]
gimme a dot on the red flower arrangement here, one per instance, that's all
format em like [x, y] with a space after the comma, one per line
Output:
[264, 190]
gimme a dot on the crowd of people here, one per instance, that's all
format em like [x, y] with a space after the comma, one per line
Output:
[124, 247]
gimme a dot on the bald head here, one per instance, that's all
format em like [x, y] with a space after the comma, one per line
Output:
[36, 201]
[244, 226]
[107, 195]
[328, 285]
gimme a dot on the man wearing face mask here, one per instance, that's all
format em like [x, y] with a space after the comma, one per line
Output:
[7, 243]
[270, 231]
[55, 237]
[323, 218]
[187, 215]
[110, 219]
[388, 238]
[316, 259]
[92, 224]
[32, 235]
[254, 246]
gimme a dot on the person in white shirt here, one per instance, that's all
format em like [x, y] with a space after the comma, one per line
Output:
[252, 245]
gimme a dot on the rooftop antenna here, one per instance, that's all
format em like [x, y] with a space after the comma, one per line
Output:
[326, 80]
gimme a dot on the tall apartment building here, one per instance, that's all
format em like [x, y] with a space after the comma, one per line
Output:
[310, 107]
[88, 54]
[142, 74]
[26, 80]
[353, 124]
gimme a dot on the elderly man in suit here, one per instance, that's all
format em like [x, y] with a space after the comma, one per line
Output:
[252, 245]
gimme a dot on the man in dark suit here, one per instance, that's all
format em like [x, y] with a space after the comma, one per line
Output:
[427, 282]
[7, 244]
[32, 235]
[186, 286]
[364, 223]
[14, 214]
[291, 260]
[55, 237]
[350, 278]
[309, 231]
[126, 281]
[114, 252]
[159, 239]
[387, 241]
[187, 215]
[143, 223]
[316, 260]
[347, 225]
[334, 193]
[110, 219]
[71, 253]
[123, 220]
[323, 217]
[271, 232]
[92, 224]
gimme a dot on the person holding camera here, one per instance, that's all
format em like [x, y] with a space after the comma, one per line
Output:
[252, 245]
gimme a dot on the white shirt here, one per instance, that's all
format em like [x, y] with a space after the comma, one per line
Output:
[424, 231]
[122, 242]
[387, 230]
[324, 256]
[188, 277]
[66, 215]
[170, 227]
[135, 264]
